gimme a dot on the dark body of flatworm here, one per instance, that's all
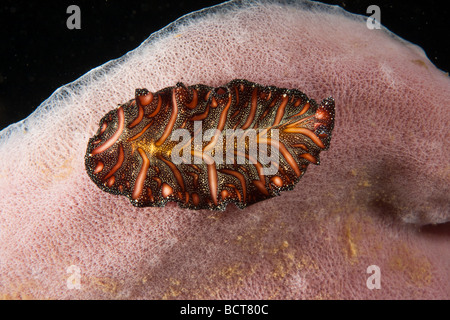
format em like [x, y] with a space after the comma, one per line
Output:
[132, 152]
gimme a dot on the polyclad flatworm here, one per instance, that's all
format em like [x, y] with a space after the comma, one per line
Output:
[205, 147]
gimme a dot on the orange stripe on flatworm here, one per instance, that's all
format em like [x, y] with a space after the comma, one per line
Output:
[309, 157]
[195, 199]
[171, 122]
[99, 167]
[289, 159]
[261, 187]
[166, 190]
[280, 146]
[146, 99]
[254, 162]
[175, 171]
[276, 180]
[301, 146]
[294, 124]
[212, 173]
[214, 103]
[235, 190]
[139, 184]
[158, 107]
[220, 126]
[261, 183]
[142, 131]
[195, 178]
[285, 175]
[243, 169]
[307, 133]
[212, 178]
[201, 116]
[241, 179]
[111, 181]
[104, 126]
[261, 118]
[264, 95]
[274, 101]
[195, 167]
[108, 143]
[194, 101]
[251, 116]
[235, 113]
[236, 103]
[150, 194]
[158, 181]
[237, 95]
[118, 164]
[138, 119]
[280, 111]
[223, 115]
[298, 102]
[304, 109]
[224, 194]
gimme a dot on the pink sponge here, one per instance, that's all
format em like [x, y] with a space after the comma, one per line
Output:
[386, 172]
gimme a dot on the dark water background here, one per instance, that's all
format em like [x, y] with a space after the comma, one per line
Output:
[38, 54]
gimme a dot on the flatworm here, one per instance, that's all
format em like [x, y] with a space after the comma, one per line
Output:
[240, 143]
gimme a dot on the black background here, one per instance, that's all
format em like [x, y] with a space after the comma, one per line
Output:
[39, 54]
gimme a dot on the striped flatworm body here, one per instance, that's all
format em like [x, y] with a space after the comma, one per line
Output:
[205, 147]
